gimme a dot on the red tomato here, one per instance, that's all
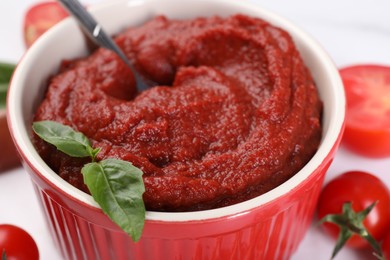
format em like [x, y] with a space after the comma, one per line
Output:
[367, 129]
[17, 243]
[8, 156]
[41, 17]
[386, 245]
[361, 189]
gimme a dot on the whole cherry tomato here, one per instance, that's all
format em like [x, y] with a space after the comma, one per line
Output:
[41, 17]
[17, 244]
[361, 189]
[367, 126]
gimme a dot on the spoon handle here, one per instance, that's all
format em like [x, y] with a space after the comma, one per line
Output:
[96, 32]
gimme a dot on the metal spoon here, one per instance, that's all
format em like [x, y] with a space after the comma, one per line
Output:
[97, 34]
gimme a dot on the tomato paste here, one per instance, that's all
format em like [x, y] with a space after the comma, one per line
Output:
[231, 112]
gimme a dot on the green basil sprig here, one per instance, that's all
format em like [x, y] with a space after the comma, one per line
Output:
[116, 185]
[66, 140]
[6, 71]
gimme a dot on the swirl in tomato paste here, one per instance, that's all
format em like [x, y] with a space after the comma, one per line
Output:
[232, 111]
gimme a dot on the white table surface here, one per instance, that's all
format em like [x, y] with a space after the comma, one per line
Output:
[351, 31]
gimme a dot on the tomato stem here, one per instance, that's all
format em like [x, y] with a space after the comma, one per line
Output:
[351, 222]
[3, 255]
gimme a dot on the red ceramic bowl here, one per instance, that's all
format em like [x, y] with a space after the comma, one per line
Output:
[267, 227]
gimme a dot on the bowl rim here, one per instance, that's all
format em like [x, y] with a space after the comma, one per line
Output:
[330, 137]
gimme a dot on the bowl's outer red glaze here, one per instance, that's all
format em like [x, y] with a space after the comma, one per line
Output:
[270, 231]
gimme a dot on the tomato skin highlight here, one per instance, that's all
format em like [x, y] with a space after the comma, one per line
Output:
[367, 128]
[41, 17]
[362, 189]
[17, 243]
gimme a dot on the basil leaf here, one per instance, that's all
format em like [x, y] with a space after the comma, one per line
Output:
[6, 71]
[64, 138]
[117, 186]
